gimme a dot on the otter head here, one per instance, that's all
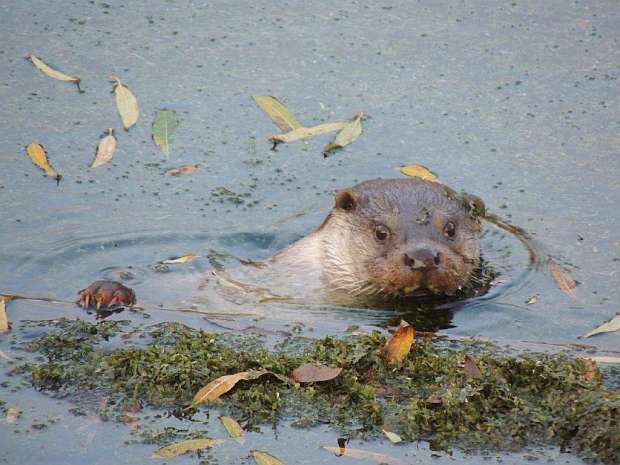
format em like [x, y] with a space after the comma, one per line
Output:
[401, 237]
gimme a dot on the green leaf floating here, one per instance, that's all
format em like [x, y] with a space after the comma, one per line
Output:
[164, 126]
[347, 135]
[278, 113]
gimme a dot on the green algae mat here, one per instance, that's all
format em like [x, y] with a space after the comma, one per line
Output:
[450, 393]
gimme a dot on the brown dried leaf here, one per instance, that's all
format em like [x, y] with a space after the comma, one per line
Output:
[183, 259]
[105, 149]
[38, 155]
[399, 345]
[126, 103]
[182, 447]
[133, 406]
[127, 413]
[304, 133]
[563, 278]
[4, 320]
[234, 429]
[183, 169]
[222, 385]
[51, 72]
[263, 458]
[313, 374]
[129, 420]
[592, 372]
[608, 327]
[363, 455]
[471, 368]
[346, 136]
[278, 113]
[419, 171]
[12, 414]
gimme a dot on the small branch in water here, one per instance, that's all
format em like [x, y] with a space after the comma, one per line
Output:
[6, 357]
[137, 308]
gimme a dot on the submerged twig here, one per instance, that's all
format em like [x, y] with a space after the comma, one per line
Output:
[137, 308]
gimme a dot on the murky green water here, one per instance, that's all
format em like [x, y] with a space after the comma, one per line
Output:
[516, 102]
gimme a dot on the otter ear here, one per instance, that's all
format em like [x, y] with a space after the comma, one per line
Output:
[474, 204]
[346, 200]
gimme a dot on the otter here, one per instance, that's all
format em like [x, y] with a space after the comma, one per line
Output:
[383, 239]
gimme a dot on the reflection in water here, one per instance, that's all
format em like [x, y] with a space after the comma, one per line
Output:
[537, 255]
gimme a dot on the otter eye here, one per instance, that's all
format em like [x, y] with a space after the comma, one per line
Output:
[381, 232]
[449, 229]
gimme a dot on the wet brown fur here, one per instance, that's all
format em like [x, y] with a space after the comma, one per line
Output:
[354, 265]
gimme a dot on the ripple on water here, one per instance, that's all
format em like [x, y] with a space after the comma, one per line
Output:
[72, 261]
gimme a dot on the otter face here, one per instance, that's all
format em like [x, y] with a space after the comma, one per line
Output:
[403, 237]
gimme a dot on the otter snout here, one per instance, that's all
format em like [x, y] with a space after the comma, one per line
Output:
[422, 258]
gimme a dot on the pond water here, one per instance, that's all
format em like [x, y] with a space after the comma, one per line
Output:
[516, 102]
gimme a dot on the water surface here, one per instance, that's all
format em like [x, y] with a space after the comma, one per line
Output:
[516, 102]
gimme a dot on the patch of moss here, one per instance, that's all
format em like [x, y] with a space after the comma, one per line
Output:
[518, 400]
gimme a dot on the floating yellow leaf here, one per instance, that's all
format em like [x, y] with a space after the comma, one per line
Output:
[234, 429]
[222, 385]
[563, 278]
[4, 320]
[126, 103]
[303, 133]
[105, 149]
[347, 135]
[278, 113]
[608, 327]
[12, 414]
[363, 455]
[182, 447]
[419, 171]
[183, 169]
[51, 72]
[267, 297]
[39, 157]
[393, 437]
[532, 300]
[399, 345]
[164, 127]
[471, 368]
[313, 374]
[263, 458]
[183, 259]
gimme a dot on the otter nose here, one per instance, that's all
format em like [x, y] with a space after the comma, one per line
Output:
[422, 258]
